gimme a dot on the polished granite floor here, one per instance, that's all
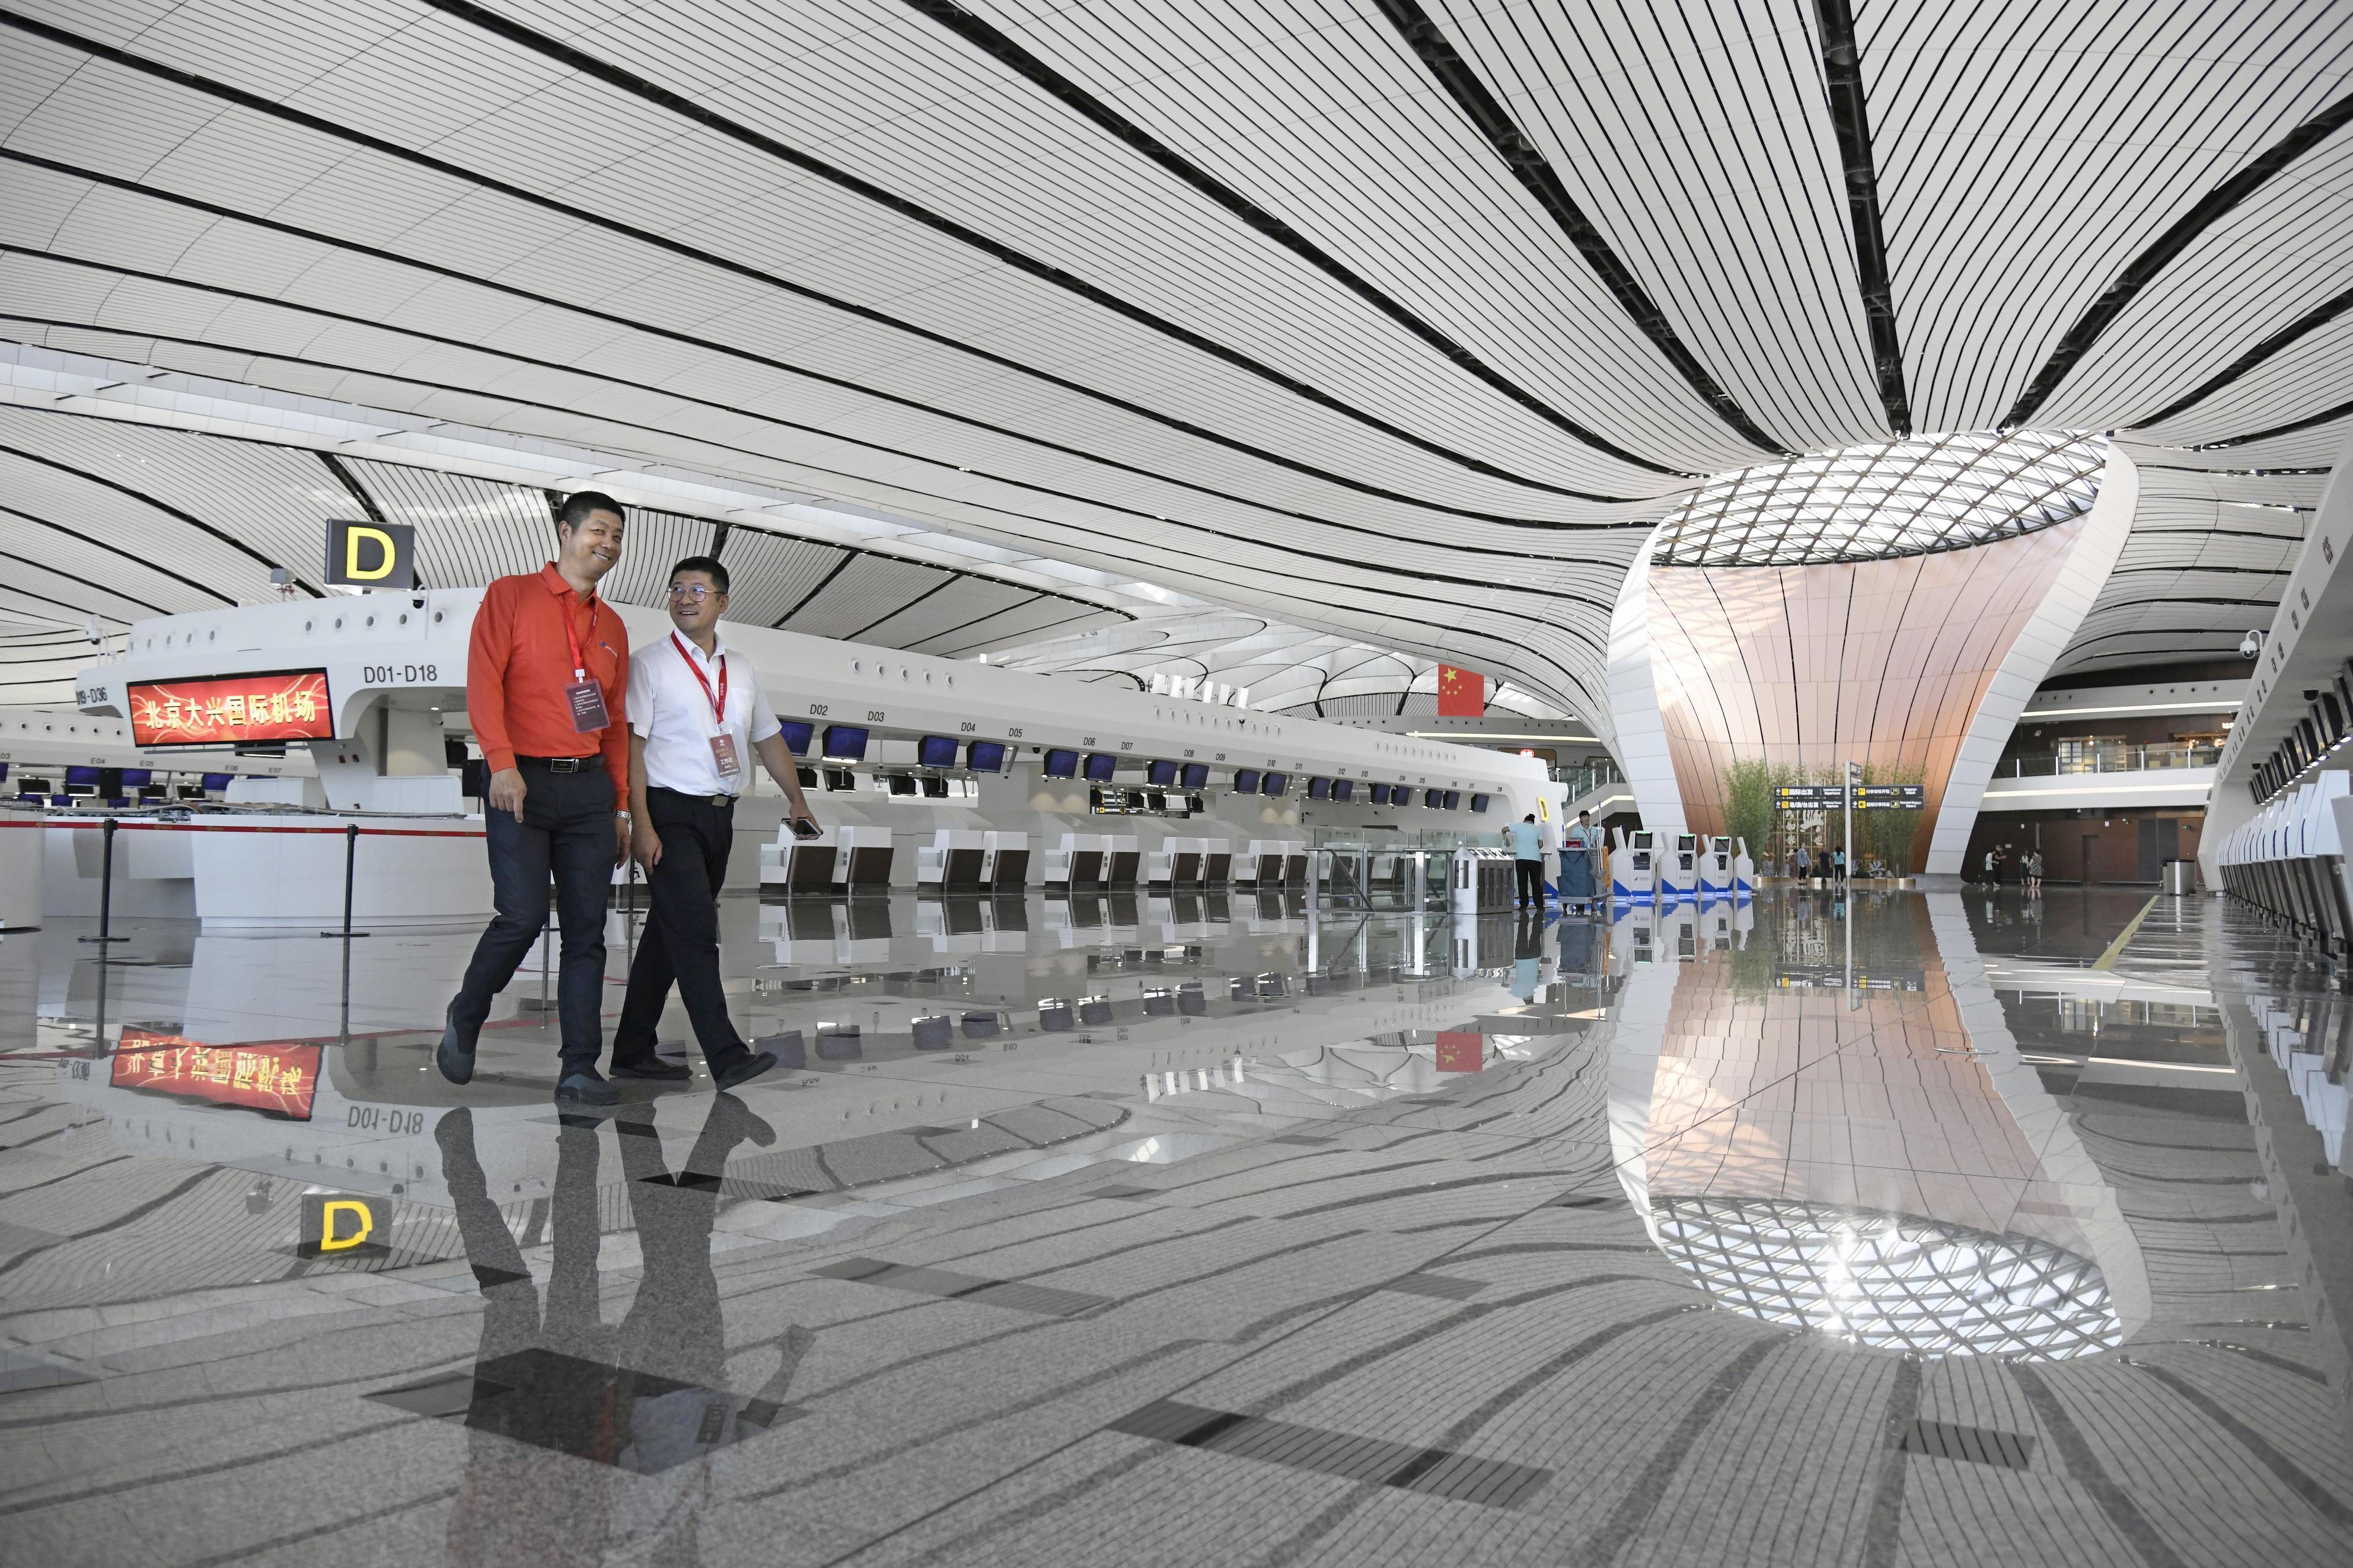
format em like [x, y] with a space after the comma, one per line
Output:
[1945, 1227]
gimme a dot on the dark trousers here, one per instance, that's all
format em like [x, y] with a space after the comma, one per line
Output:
[681, 944]
[1527, 876]
[566, 829]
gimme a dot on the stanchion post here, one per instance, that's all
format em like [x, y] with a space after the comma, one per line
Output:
[351, 864]
[106, 895]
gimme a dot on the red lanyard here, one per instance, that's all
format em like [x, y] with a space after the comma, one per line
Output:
[580, 664]
[718, 703]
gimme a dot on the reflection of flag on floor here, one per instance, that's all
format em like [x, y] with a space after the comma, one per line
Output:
[1460, 693]
[1461, 1050]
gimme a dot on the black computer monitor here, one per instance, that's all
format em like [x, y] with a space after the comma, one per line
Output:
[1160, 774]
[1377, 794]
[1319, 789]
[1455, 800]
[1196, 775]
[81, 778]
[1433, 799]
[1100, 766]
[845, 744]
[137, 778]
[1343, 789]
[936, 752]
[797, 737]
[1275, 784]
[1062, 764]
[902, 784]
[1246, 780]
[219, 781]
[1478, 802]
[985, 757]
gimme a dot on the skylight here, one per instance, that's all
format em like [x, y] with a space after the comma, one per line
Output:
[1912, 497]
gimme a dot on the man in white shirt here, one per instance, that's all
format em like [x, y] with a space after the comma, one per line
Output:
[696, 716]
[1578, 849]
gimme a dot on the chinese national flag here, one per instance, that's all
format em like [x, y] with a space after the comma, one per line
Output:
[1460, 693]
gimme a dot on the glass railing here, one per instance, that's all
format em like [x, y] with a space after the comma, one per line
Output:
[2113, 760]
[1584, 778]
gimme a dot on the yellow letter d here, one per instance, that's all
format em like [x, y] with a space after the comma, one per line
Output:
[328, 1240]
[384, 552]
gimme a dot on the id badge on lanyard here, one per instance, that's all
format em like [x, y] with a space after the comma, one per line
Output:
[724, 755]
[584, 697]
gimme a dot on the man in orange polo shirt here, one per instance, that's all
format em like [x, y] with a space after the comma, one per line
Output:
[545, 676]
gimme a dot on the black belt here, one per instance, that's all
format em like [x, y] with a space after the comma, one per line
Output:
[565, 765]
[721, 801]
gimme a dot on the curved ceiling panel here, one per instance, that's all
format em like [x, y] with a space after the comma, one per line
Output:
[1401, 321]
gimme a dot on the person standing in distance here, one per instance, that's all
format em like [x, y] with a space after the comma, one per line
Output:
[694, 723]
[547, 677]
[1524, 839]
[1578, 847]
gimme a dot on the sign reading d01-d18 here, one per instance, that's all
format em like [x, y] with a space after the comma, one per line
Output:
[372, 555]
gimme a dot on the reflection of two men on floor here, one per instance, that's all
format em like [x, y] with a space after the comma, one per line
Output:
[645, 1399]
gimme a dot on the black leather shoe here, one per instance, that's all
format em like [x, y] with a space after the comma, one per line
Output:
[455, 1059]
[580, 1089]
[748, 1070]
[653, 1068]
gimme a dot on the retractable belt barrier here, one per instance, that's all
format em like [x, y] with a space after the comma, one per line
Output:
[111, 824]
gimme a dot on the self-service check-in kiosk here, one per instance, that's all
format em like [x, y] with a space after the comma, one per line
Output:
[1716, 868]
[1744, 869]
[1633, 864]
[1679, 870]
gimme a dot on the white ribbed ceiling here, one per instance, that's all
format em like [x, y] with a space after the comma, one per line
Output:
[1399, 320]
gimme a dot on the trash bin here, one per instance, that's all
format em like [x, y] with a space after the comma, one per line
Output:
[2180, 876]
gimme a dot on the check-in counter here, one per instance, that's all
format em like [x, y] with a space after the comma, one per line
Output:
[1274, 863]
[798, 866]
[1176, 863]
[955, 861]
[21, 835]
[1123, 857]
[1004, 861]
[1078, 862]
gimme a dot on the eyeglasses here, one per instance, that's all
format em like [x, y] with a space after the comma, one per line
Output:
[698, 592]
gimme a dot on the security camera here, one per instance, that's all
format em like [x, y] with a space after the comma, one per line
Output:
[93, 631]
[2252, 645]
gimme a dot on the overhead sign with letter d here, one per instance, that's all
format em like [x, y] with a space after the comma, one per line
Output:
[372, 555]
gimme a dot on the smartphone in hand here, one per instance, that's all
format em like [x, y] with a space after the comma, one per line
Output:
[807, 828]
